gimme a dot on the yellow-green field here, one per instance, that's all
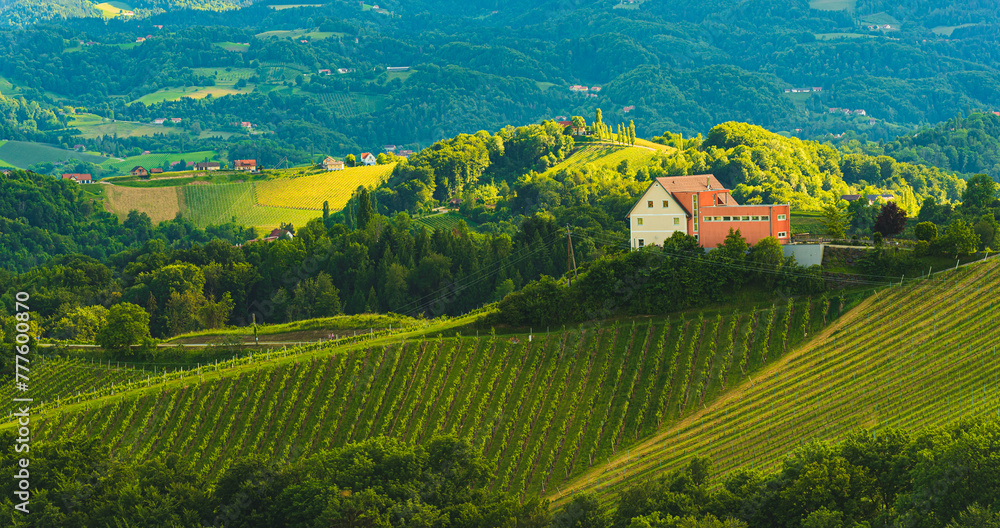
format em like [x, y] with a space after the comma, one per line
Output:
[194, 92]
[604, 155]
[160, 203]
[113, 9]
[309, 192]
[833, 5]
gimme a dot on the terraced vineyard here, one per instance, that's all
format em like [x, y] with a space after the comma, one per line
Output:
[54, 379]
[351, 105]
[914, 356]
[543, 408]
[309, 192]
[442, 221]
[156, 160]
[220, 203]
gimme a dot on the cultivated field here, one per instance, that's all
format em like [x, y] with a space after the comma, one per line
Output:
[446, 221]
[542, 408]
[351, 105]
[309, 192]
[833, 5]
[160, 203]
[93, 126]
[913, 356]
[24, 154]
[609, 156]
[194, 92]
[215, 204]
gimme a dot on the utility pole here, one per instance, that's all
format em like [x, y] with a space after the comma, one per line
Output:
[570, 257]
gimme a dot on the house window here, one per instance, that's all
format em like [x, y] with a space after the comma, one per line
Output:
[694, 205]
[649, 203]
[677, 221]
[781, 217]
[782, 234]
[764, 218]
[707, 219]
[642, 242]
[718, 218]
[746, 218]
[756, 218]
[638, 221]
[665, 204]
[726, 218]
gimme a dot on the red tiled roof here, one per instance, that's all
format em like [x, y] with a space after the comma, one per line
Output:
[77, 177]
[696, 183]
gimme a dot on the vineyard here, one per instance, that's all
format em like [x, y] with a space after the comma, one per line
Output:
[543, 408]
[309, 192]
[911, 357]
[604, 156]
[53, 379]
[351, 105]
[444, 221]
[217, 204]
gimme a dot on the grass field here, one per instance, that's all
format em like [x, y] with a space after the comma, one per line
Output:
[835, 36]
[156, 160]
[948, 30]
[7, 88]
[309, 192]
[112, 9]
[221, 203]
[879, 18]
[290, 6]
[833, 5]
[542, 410]
[807, 222]
[93, 126]
[23, 154]
[232, 46]
[604, 156]
[194, 92]
[911, 357]
[299, 34]
[160, 203]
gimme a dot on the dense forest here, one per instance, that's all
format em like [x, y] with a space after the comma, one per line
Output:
[667, 67]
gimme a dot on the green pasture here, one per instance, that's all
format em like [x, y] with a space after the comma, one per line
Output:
[24, 154]
[156, 160]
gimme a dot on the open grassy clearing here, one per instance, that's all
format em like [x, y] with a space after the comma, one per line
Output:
[913, 356]
[157, 160]
[833, 5]
[807, 222]
[194, 92]
[24, 154]
[309, 192]
[160, 204]
[835, 36]
[542, 409]
[233, 46]
[113, 9]
[299, 34]
[8, 88]
[948, 30]
[94, 126]
[290, 6]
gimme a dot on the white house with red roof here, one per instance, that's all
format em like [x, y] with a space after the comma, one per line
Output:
[78, 178]
[368, 158]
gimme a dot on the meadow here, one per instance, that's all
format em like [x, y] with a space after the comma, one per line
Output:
[603, 155]
[156, 160]
[309, 192]
[162, 203]
[94, 126]
[23, 154]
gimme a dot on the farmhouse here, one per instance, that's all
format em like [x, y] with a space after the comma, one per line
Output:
[701, 207]
[368, 158]
[331, 164]
[78, 178]
[405, 153]
[245, 165]
[156, 170]
[139, 170]
[175, 120]
[208, 165]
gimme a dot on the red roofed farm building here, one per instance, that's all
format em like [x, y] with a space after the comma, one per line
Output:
[702, 207]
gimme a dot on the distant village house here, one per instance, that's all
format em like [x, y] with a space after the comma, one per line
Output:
[156, 170]
[208, 166]
[245, 165]
[78, 178]
[368, 158]
[140, 171]
[331, 164]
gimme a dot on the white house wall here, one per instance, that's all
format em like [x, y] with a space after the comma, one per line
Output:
[658, 222]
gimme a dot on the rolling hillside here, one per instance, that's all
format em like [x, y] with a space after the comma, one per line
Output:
[911, 357]
[543, 408]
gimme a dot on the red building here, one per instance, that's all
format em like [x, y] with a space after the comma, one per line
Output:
[701, 207]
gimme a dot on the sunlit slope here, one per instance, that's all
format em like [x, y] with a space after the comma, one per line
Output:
[333, 187]
[543, 410]
[910, 357]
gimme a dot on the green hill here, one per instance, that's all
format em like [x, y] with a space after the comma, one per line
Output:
[910, 357]
[543, 408]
